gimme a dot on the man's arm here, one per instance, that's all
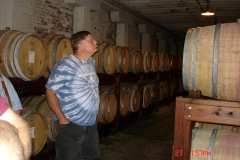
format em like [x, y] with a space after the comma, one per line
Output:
[23, 129]
[55, 106]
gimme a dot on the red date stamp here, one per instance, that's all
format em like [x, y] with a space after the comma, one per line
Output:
[200, 153]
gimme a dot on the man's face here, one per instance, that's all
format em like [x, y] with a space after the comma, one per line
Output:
[89, 45]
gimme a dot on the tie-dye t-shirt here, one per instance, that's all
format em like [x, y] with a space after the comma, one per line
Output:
[75, 83]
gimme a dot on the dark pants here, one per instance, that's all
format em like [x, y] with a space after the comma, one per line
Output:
[74, 141]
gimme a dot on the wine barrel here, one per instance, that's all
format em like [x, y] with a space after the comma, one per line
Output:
[166, 91]
[154, 62]
[211, 61]
[96, 57]
[124, 99]
[146, 96]
[153, 92]
[215, 144]
[136, 61]
[38, 129]
[107, 108]
[146, 61]
[40, 105]
[124, 103]
[106, 88]
[134, 94]
[162, 62]
[58, 48]
[122, 60]
[106, 58]
[168, 62]
[24, 55]
[174, 63]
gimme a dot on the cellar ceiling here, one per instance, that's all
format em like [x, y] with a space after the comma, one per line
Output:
[180, 15]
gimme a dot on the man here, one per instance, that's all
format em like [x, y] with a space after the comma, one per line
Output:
[15, 141]
[73, 95]
[8, 92]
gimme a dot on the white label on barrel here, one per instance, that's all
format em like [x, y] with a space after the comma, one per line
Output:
[64, 55]
[31, 56]
[108, 60]
[32, 131]
[122, 105]
[108, 108]
[123, 60]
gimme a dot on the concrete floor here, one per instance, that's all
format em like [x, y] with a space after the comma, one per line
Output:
[150, 138]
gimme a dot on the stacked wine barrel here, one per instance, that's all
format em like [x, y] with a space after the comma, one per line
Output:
[116, 59]
[30, 56]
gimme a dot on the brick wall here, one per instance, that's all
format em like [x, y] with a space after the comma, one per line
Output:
[43, 17]
[103, 29]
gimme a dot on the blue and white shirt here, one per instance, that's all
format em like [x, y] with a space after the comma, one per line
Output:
[75, 83]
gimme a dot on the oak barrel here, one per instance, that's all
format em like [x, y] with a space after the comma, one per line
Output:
[38, 129]
[146, 61]
[58, 48]
[146, 96]
[134, 95]
[136, 60]
[40, 105]
[154, 62]
[96, 57]
[107, 108]
[105, 56]
[162, 62]
[153, 92]
[166, 91]
[124, 103]
[124, 99]
[122, 59]
[168, 63]
[24, 55]
[211, 61]
[174, 63]
[215, 144]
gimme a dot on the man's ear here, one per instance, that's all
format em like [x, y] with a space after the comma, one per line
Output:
[80, 46]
